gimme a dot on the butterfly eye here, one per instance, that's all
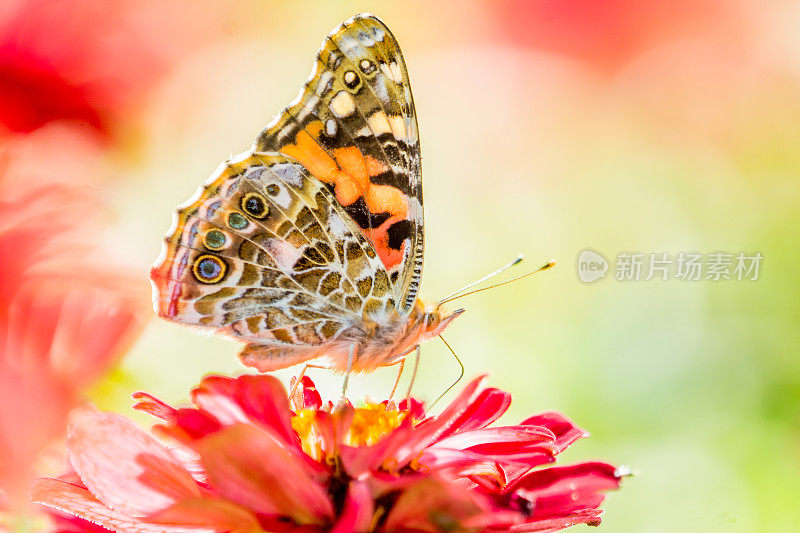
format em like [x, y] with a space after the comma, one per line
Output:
[215, 240]
[209, 269]
[237, 221]
[351, 79]
[255, 205]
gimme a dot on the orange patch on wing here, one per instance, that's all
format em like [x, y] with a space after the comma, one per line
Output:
[380, 239]
[349, 171]
[352, 161]
[312, 156]
[375, 167]
[385, 198]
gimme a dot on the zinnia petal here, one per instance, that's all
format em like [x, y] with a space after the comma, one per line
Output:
[405, 445]
[220, 515]
[254, 468]
[565, 432]
[124, 467]
[488, 438]
[216, 396]
[434, 505]
[563, 428]
[557, 491]
[79, 502]
[487, 407]
[263, 399]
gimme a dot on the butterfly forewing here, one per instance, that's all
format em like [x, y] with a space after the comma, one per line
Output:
[353, 126]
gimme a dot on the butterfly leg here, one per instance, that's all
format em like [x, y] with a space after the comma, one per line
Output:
[402, 364]
[299, 378]
[351, 355]
[413, 372]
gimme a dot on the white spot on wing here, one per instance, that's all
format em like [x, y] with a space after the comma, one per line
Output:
[283, 198]
[337, 226]
[284, 254]
[398, 126]
[342, 104]
[324, 80]
[397, 74]
[378, 123]
[289, 173]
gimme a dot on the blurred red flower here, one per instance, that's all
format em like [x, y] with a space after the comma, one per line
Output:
[607, 34]
[246, 458]
[86, 60]
[63, 323]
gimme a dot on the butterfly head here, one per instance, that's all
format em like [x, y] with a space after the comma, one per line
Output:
[434, 319]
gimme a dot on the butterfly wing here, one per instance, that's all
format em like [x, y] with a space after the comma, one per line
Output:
[353, 126]
[265, 253]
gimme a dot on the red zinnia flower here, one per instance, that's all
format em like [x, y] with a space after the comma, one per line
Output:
[63, 322]
[247, 458]
[87, 60]
[610, 33]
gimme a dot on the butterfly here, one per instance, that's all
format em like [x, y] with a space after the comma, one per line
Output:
[310, 244]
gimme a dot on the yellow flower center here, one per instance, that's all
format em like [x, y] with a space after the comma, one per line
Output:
[303, 424]
[370, 423]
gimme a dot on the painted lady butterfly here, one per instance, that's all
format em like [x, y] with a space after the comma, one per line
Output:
[310, 244]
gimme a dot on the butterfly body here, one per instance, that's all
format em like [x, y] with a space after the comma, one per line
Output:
[376, 341]
[310, 244]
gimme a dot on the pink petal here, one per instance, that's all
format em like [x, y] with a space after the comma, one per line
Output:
[147, 403]
[486, 408]
[590, 517]
[462, 462]
[430, 430]
[414, 408]
[79, 502]
[358, 509]
[196, 423]
[566, 433]
[563, 428]
[124, 467]
[188, 425]
[256, 469]
[359, 461]
[485, 439]
[311, 397]
[559, 491]
[406, 442]
[216, 396]
[65, 523]
[263, 399]
[183, 424]
[219, 515]
[433, 505]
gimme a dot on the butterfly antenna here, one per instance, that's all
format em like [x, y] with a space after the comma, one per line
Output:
[460, 375]
[461, 293]
[500, 270]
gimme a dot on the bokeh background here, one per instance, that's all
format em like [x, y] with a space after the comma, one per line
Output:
[547, 127]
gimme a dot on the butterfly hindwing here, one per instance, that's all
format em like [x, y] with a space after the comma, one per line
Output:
[264, 252]
[353, 127]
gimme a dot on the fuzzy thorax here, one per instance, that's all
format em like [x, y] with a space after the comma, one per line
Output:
[385, 339]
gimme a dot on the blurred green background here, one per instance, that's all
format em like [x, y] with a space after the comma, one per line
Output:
[547, 127]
